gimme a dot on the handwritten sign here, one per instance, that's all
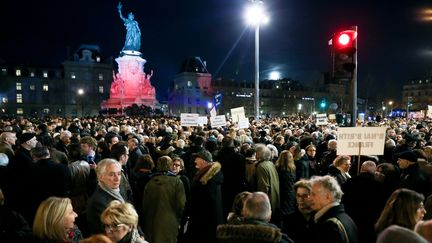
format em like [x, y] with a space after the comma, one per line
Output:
[237, 113]
[218, 121]
[189, 119]
[202, 120]
[360, 140]
[321, 119]
[243, 123]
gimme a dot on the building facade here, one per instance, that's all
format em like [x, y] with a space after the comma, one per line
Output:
[75, 89]
[193, 90]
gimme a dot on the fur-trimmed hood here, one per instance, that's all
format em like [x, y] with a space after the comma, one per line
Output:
[207, 173]
[249, 233]
[166, 151]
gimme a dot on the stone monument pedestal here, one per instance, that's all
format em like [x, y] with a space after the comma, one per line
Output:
[131, 85]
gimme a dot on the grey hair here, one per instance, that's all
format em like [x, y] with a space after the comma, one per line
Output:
[273, 150]
[257, 206]
[263, 153]
[330, 184]
[101, 167]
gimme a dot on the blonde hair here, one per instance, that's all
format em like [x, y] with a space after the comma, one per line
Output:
[120, 213]
[49, 220]
[285, 161]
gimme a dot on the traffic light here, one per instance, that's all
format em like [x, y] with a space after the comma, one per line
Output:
[323, 104]
[344, 50]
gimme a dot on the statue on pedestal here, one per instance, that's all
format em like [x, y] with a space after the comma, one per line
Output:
[133, 32]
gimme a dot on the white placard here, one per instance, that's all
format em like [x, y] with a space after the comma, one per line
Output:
[243, 123]
[332, 116]
[237, 113]
[189, 119]
[360, 140]
[213, 111]
[429, 111]
[218, 121]
[202, 120]
[418, 115]
[321, 119]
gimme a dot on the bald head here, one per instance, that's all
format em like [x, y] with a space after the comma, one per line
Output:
[368, 166]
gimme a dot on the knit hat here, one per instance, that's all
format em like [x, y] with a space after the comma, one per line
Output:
[26, 137]
[205, 155]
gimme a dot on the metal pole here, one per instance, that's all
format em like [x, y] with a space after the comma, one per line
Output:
[257, 114]
[354, 84]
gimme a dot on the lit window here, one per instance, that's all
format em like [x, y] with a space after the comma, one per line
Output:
[45, 74]
[5, 100]
[101, 89]
[18, 72]
[73, 76]
[32, 74]
[32, 87]
[100, 76]
[18, 86]
[189, 83]
[45, 87]
[46, 111]
[20, 111]
[19, 98]
[97, 59]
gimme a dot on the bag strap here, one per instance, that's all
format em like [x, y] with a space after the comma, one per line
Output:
[340, 226]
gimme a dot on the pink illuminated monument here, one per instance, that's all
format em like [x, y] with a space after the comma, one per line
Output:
[131, 85]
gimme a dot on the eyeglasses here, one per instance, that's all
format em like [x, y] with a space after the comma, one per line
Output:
[113, 227]
[303, 196]
[176, 165]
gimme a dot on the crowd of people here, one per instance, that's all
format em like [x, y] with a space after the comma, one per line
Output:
[135, 179]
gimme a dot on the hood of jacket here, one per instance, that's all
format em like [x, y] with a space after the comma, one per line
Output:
[209, 172]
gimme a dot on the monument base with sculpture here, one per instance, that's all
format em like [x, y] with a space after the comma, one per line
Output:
[131, 85]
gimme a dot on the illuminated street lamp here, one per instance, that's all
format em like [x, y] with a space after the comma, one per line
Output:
[255, 16]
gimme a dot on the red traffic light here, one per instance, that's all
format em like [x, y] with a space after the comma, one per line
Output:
[344, 39]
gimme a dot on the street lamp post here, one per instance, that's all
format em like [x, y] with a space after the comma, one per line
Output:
[255, 16]
[81, 94]
[391, 107]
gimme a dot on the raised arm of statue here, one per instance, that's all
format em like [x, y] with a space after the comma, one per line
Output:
[119, 7]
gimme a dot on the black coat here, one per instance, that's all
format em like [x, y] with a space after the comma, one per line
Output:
[234, 171]
[206, 205]
[302, 168]
[364, 198]
[48, 179]
[334, 227]
[297, 227]
[97, 203]
[286, 192]
[415, 179]
[337, 174]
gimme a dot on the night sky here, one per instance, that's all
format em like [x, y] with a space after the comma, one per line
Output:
[394, 43]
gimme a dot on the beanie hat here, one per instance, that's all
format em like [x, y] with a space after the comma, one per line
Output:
[26, 137]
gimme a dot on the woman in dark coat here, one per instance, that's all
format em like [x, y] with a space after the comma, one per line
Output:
[286, 170]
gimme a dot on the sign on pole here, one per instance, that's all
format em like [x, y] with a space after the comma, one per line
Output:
[243, 123]
[218, 121]
[321, 119]
[237, 113]
[360, 140]
[189, 119]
